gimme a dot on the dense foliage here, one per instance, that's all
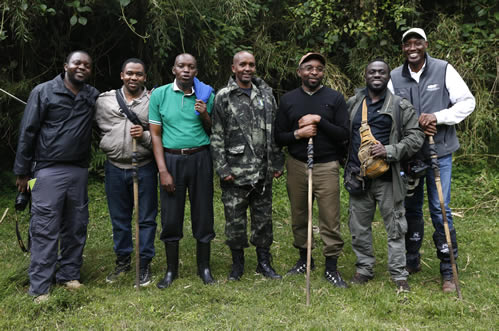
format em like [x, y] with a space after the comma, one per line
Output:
[36, 35]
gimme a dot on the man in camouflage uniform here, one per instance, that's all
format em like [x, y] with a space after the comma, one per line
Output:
[246, 159]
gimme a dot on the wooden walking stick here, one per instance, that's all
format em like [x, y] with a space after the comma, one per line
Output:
[436, 170]
[135, 176]
[310, 166]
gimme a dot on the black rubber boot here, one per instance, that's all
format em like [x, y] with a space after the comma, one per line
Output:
[203, 259]
[443, 253]
[413, 242]
[237, 270]
[171, 249]
[264, 266]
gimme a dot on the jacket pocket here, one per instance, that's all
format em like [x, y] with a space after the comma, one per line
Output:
[235, 150]
[398, 225]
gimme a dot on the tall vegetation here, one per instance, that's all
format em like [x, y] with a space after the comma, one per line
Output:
[35, 36]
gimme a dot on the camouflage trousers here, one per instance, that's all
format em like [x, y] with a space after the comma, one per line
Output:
[362, 209]
[236, 200]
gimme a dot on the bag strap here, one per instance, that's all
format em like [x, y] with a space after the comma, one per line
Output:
[126, 110]
[364, 112]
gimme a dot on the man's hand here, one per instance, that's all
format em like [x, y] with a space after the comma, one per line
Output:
[166, 181]
[200, 106]
[428, 122]
[277, 174]
[378, 151]
[309, 119]
[136, 131]
[22, 183]
[307, 131]
[229, 178]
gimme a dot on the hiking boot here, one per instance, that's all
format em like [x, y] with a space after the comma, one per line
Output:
[145, 275]
[448, 286]
[73, 284]
[335, 278]
[301, 267]
[413, 269]
[402, 286]
[264, 266]
[122, 267]
[41, 298]
[360, 279]
[237, 269]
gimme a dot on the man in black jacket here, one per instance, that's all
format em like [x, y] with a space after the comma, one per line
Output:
[313, 110]
[52, 158]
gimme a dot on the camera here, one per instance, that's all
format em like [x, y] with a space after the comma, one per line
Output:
[416, 168]
[22, 200]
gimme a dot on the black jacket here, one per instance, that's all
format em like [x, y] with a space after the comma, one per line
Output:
[56, 126]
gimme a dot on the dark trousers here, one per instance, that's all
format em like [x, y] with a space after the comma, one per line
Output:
[59, 219]
[119, 192]
[236, 200]
[194, 174]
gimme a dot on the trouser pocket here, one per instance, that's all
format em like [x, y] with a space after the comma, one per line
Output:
[398, 226]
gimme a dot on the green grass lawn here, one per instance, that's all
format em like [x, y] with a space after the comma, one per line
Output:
[255, 302]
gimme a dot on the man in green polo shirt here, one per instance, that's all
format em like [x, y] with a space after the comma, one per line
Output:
[180, 125]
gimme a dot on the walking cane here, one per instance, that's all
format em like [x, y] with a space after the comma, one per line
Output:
[436, 170]
[310, 166]
[136, 207]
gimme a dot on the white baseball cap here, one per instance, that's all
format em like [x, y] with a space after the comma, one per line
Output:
[418, 31]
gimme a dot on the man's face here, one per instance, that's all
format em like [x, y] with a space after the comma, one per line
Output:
[133, 77]
[78, 68]
[185, 69]
[244, 68]
[414, 49]
[377, 76]
[311, 74]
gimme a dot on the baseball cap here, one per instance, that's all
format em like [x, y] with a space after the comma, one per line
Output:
[312, 55]
[417, 31]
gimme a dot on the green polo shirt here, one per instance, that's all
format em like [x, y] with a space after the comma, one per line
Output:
[174, 111]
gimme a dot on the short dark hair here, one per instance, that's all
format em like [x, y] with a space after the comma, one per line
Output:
[379, 59]
[70, 55]
[132, 60]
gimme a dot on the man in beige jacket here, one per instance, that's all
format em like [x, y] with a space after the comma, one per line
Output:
[116, 135]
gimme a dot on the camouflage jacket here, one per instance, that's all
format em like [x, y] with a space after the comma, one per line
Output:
[238, 147]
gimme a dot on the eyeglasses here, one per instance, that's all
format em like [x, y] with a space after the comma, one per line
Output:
[312, 68]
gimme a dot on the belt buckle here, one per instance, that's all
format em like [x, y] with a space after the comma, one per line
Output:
[183, 151]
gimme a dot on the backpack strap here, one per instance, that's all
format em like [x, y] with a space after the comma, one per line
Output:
[128, 113]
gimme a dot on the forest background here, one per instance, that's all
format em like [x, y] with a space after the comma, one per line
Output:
[36, 35]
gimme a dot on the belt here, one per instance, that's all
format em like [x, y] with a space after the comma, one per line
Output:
[185, 151]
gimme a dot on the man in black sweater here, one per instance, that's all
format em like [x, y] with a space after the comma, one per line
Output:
[314, 110]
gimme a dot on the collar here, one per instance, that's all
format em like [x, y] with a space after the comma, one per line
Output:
[312, 93]
[178, 89]
[381, 98]
[144, 93]
[60, 87]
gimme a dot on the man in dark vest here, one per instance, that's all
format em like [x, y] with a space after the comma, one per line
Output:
[441, 99]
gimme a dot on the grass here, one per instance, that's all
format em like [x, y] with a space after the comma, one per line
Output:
[258, 303]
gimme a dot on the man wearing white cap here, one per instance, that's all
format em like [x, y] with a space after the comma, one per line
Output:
[442, 100]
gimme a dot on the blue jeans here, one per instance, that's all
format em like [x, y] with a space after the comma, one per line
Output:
[414, 204]
[119, 191]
